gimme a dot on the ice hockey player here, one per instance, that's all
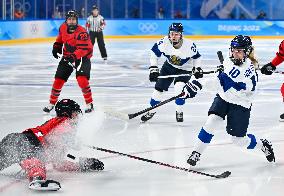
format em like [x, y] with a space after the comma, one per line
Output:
[269, 68]
[182, 57]
[237, 82]
[77, 52]
[50, 142]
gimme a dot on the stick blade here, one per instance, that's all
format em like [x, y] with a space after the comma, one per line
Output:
[116, 114]
[224, 174]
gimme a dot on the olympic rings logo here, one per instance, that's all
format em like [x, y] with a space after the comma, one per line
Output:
[23, 6]
[147, 27]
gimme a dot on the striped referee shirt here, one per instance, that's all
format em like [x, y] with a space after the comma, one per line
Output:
[95, 23]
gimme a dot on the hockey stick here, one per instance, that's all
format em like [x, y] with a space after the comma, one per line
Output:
[72, 65]
[223, 175]
[179, 75]
[123, 116]
[130, 116]
[220, 57]
[279, 72]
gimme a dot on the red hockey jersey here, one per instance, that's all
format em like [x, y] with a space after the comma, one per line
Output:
[279, 58]
[59, 124]
[77, 43]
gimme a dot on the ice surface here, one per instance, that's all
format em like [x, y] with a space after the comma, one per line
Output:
[26, 75]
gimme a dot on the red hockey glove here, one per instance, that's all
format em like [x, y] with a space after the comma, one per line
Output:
[71, 58]
[57, 49]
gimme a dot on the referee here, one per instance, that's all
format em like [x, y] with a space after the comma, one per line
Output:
[95, 25]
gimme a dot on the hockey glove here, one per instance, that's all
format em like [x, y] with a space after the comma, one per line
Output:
[197, 72]
[268, 69]
[220, 68]
[190, 89]
[71, 58]
[90, 164]
[57, 49]
[154, 73]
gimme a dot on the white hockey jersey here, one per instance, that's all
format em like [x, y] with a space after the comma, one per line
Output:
[238, 84]
[185, 58]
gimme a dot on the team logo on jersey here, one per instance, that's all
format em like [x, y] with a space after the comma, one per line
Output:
[175, 60]
[39, 134]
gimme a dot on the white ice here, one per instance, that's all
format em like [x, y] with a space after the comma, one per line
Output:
[26, 75]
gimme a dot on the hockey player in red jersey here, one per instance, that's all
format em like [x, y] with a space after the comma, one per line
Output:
[77, 52]
[47, 143]
[269, 68]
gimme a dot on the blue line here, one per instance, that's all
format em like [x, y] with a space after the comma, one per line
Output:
[106, 86]
[49, 85]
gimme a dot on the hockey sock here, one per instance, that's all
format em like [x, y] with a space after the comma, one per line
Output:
[56, 90]
[179, 101]
[206, 133]
[34, 168]
[249, 141]
[86, 89]
[156, 97]
[179, 104]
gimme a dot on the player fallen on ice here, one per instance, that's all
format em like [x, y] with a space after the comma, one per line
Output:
[77, 52]
[237, 83]
[51, 142]
[182, 57]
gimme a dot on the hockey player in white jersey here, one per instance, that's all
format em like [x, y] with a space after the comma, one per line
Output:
[182, 58]
[237, 82]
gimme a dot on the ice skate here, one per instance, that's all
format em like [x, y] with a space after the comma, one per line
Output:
[89, 108]
[39, 184]
[268, 150]
[147, 116]
[193, 158]
[179, 116]
[48, 108]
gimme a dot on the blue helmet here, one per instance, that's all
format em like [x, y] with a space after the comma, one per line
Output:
[241, 42]
[176, 27]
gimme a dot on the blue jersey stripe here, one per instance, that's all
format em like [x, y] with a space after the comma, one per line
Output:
[156, 50]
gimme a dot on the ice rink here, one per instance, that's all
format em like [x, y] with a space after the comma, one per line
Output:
[26, 76]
